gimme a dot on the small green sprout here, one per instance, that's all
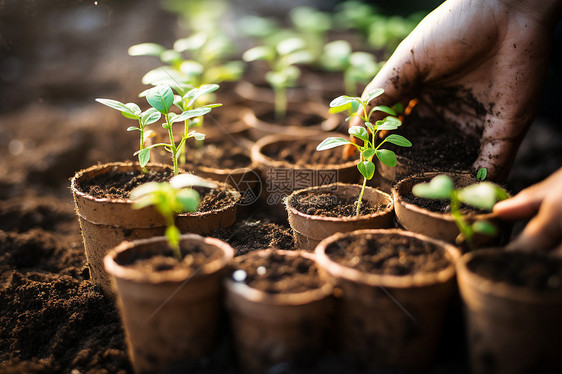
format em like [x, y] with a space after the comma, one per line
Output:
[312, 26]
[133, 111]
[481, 195]
[170, 199]
[284, 74]
[368, 135]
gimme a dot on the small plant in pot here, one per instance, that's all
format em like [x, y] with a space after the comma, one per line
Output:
[280, 307]
[169, 288]
[455, 214]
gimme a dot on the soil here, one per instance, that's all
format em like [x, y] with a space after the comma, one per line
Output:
[329, 205]
[251, 235]
[293, 118]
[436, 146]
[390, 255]
[277, 273]
[218, 155]
[529, 270]
[302, 152]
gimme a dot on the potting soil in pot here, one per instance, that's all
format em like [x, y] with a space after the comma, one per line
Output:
[388, 254]
[293, 118]
[303, 152]
[329, 205]
[220, 155]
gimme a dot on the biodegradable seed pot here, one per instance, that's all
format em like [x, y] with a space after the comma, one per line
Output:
[513, 311]
[170, 309]
[287, 164]
[106, 221]
[431, 218]
[279, 305]
[396, 288]
[310, 228]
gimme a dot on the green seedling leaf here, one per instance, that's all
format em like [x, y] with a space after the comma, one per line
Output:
[146, 49]
[300, 57]
[368, 153]
[439, 187]
[398, 140]
[370, 126]
[144, 157]
[184, 116]
[170, 57]
[342, 100]
[188, 199]
[190, 180]
[144, 190]
[387, 157]
[374, 94]
[160, 98]
[150, 116]
[259, 53]
[481, 174]
[367, 169]
[164, 75]
[192, 43]
[191, 68]
[389, 123]
[198, 136]
[132, 128]
[484, 227]
[483, 195]
[383, 108]
[332, 142]
[117, 105]
[290, 45]
[359, 132]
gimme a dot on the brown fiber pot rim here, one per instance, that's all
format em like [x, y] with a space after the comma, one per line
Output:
[261, 158]
[242, 290]
[397, 192]
[366, 217]
[501, 289]
[101, 168]
[166, 276]
[384, 280]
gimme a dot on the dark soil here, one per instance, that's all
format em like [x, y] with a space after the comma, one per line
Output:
[436, 146]
[391, 255]
[531, 270]
[293, 118]
[277, 273]
[251, 235]
[225, 155]
[329, 205]
[302, 152]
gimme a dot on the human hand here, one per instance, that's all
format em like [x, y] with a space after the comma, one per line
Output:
[478, 64]
[543, 202]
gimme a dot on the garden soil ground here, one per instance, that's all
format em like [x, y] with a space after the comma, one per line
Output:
[52, 319]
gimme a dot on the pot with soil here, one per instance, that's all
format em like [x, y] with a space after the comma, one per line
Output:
[433, 217]
[435, 147]
[303, 119]
[318, 212]
[513, 311]
[170, 308]
[397, 287]
[106, 214]
[287, 164]
[279, 305]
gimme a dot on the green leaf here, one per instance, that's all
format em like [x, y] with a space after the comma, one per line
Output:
[374, 94]
[170, 57]
[383, 108]
[188, 199]
[300, 57]
[259, 53]
[190, 180]
[132, 128]
[370, 126]
[389, 123]
[484, 227]
[199, 136]
[342, 100]
[481, 174]
[367, 169]
[332, 142]
[150, 116]
[144, 157]
[160, 98]
[398, 140]
[144, 189]
[201, 111]
[387, 157]
[483, 195]
[368, 153]
[359, 132]
[290, 45]
[117, 105]
[146, 49]
[439, 187]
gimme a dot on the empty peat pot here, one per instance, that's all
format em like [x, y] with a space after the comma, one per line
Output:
[106, 222]
[280, 307]
[513, 311]
[170, 309]
[437, 224]
[310, 229]
[397, 287]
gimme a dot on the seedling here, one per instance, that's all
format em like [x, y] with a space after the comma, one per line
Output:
[170, 199]
[482, 195]
[311, 25]
[133, 111]
[368, 135]
[357, 67]
[284, 73]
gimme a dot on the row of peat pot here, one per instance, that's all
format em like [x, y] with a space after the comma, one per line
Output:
[384, 319]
